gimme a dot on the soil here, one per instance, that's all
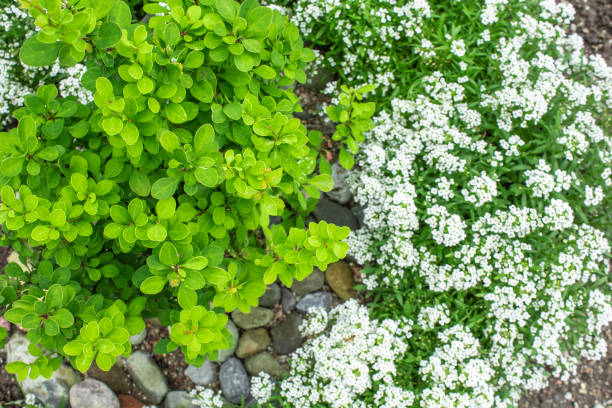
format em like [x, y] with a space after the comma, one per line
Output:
[593, 22]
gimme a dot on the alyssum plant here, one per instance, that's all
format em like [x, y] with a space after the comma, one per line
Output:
[156, 199]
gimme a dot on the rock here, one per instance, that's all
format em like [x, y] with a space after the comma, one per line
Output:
[357, 211]
[178, 399]
[257, 317]
[252, 341]
[311, 283]
[115, 378]
[314, 300]
[288, 302]
[286, 337]
[138, 338]
[52, 392]
[225, 354]
[271, 296]
[204, 375]
[341, 192]
[339, 276]
[234, 380]
[264, 362]
[92, 393]
[127, 401]
[333, 213]
[147, 376]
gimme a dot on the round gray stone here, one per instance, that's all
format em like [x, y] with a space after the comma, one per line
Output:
[178, 399]
[225, 354]
[311, 283]
[257, 317]
[235, 383]
[288, 302]
[204, 375]
[286, 337]
[315, 300]
[92, 393]
[252, 341]
[334, 213]
[271, 297]
[147, 376]
[341, 192]
[264, 362]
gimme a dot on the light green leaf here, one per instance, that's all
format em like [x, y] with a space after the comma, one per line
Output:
[153, 285]
[187, 298]
[165, 208]
[208, 177]
[37, 54]
[164, 188]
[109, 34]
[168, 254]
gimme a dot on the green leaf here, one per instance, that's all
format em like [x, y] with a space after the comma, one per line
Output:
[169, 140]
[202, 91]
[227, 9]
[187, 298]
[194, 59]
[12, 166]
[164, 188]
[195, 280]
[64, 318]
[140, 184]
[104, 361]
[175, 113]
[51, 327]
[244, 62]
[345, 159]
[165, 208]
[233, 110]
[157, 233]
[145, 85]
[90, 332]
[112, 125]
[323, 182]
[265, 72]
[153, 285]
[204, 137]
[197, 262]
[208, 177]
[109, 34]
[37, 54]
[172, 34]
[120, 215]
[168, 255]
[79, 183]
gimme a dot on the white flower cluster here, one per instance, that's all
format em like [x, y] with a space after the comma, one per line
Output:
[355, 358]
[206, 398]
[262, 386]
[365, 56]
[432, 316]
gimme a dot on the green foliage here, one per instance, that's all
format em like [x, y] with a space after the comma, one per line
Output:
[160, 192]
[355, 118]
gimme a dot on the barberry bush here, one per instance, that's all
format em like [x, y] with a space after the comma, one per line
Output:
[157, 199]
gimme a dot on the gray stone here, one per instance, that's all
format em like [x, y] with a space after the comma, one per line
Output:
[138, 338]
[271, 297]
[257, 317]
[92, 393]
[178, 399]
[234, 380]
[314, 300]
[52, 392]
[116, 378]
[339, 277]
[203, 375]
[333, 213]
[147, 376]
[252, 341]
[311, 283]
[286, 337]
[264, 362]
[288, 302]
[357, 211]
[341, 192]
[225, 354]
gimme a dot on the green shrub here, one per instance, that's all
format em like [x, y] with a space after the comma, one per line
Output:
[156, 199]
